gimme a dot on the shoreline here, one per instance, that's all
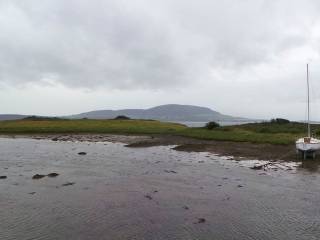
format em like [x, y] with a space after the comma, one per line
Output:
[238, 150]
[134, 193]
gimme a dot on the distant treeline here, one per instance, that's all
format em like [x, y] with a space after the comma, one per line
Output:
[279, 120]
[39, 118]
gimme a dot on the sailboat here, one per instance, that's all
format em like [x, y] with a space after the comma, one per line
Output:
[308, 144]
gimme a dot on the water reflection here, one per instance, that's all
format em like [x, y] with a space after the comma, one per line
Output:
[151, 193]
[311, 165]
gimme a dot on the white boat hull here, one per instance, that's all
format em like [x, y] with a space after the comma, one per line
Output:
[308, 144]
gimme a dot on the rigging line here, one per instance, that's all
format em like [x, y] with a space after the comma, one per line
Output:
[308, 100]
[306, 109]
[313, 100]
[313, 93]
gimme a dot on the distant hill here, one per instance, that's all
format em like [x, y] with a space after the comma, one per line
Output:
[4, 117]
[169, 112]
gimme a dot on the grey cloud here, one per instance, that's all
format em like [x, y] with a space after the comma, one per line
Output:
[145, 44]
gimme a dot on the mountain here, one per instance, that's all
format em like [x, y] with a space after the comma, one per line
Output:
[169, 112]
[4, 117]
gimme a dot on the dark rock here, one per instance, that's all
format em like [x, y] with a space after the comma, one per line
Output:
[263, 173]
[186, 207]
[82, 153]
[170, 171]
[38, 176]
[240, 186]
[31, 193]
[201, 220]
[148, 196]
[3, 177]
[53, 174]
[257, 167]
[55, 139]
[68, 184]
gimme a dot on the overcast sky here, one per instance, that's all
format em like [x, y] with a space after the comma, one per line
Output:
[239, 57]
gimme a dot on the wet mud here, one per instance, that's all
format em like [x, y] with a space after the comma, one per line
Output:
[224, 148]
[117, 192]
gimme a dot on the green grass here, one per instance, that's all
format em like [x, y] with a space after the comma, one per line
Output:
[239, 135]
[268, 127]
[273, 133]
[88, 126]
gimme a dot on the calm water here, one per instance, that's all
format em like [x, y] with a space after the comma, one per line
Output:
[150, 193]
[222, 123]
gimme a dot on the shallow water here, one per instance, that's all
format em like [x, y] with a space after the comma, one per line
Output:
[150, 193]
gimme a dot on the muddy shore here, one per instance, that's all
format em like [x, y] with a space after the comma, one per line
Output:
[238, 150]
[63, 189]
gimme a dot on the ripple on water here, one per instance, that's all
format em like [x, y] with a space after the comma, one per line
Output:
[108, 198]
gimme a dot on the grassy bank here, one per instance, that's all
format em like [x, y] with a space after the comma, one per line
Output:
[239, 135]
[88, 126]
[265, 132]
[273, 133]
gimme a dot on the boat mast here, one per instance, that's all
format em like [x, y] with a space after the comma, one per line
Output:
[308, 101]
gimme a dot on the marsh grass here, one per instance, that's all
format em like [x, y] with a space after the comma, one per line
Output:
[89, 126]
[273, 133]
[240, 135]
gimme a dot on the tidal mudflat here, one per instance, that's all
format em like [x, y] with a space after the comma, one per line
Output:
[110, 191]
